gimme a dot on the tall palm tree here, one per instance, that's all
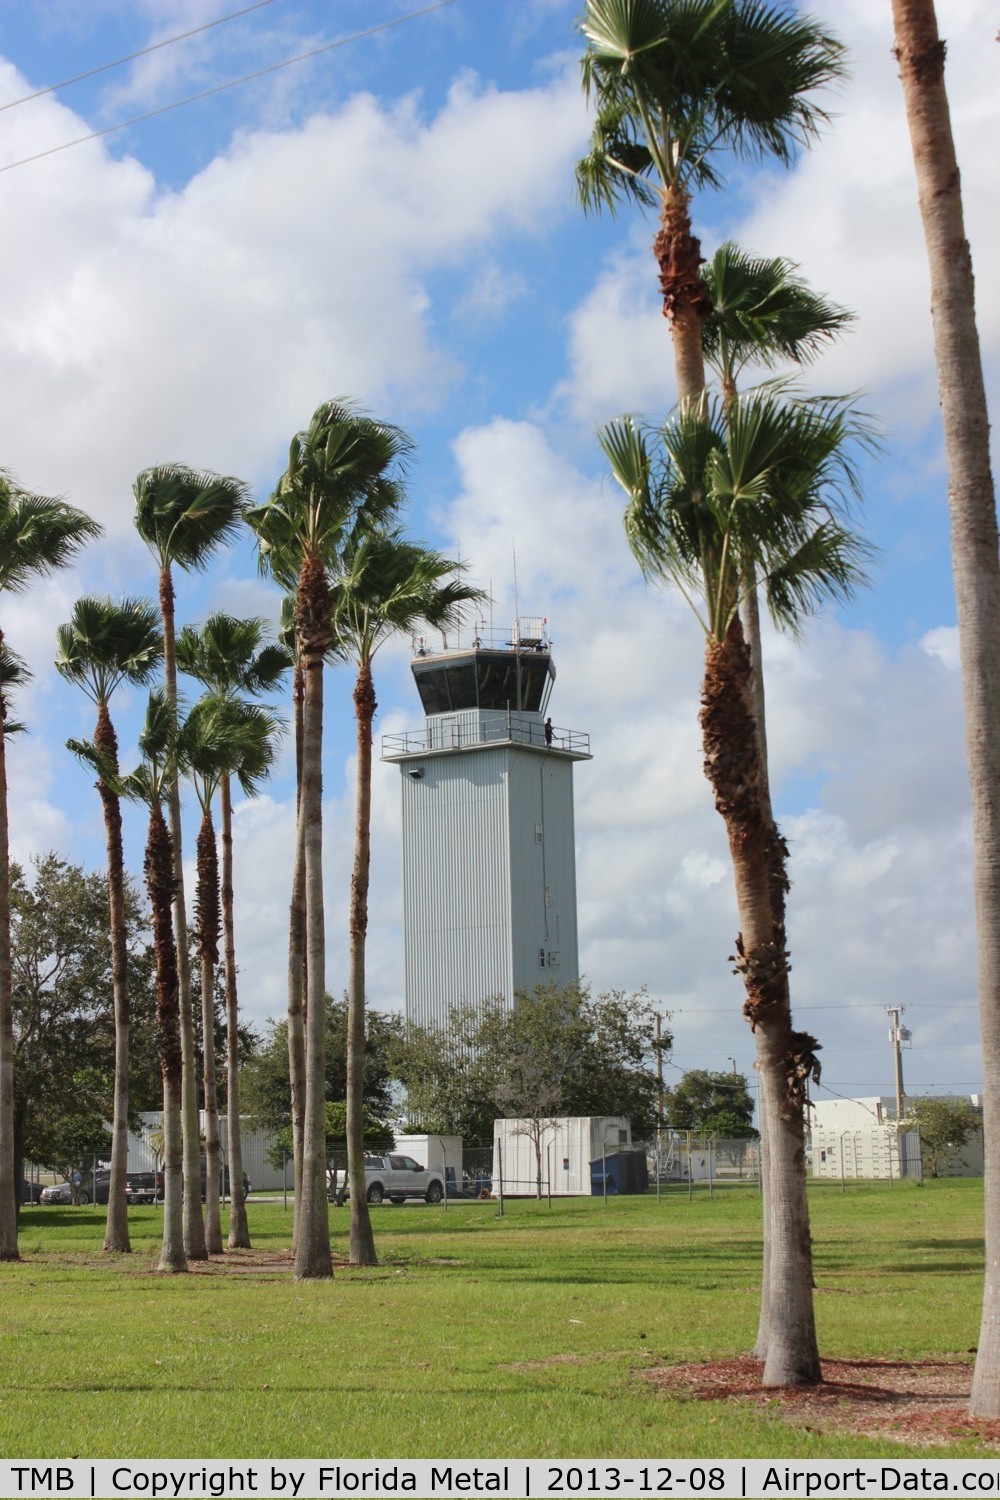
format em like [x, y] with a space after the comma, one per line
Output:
[754, 478]
[221, 736]
[972, 502]
[233, 657]
[184, 515]
[343, 473]
[150, 784]
[762, 314]
[38, 535]
[678, 84]
[296, 924]
[103, 645]
[388, 587]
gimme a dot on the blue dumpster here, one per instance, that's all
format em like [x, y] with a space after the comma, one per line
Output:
[626, 1171]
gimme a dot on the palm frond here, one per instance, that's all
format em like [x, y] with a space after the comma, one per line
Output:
[38, 534]
[184, 515]
[771, 62]
[391, 584]
[232, 654]
[830, 565]
[226, 736]
[107, 642]
[345, 470]
[14, 673]
[763, 312]
[684, 80]
[94, 758]
[764, 482]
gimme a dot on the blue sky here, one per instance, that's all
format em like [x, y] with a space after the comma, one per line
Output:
[394, 221]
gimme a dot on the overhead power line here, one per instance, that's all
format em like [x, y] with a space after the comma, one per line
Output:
[232, 83]
[169, 41]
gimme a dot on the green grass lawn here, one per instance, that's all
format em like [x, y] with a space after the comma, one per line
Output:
[476, 1336]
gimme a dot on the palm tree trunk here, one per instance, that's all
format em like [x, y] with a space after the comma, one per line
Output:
[312, 1247]
[786, 1058]
[194, 1225]
[297, 1012]
[685, 300]
[750, 617]
[160, 885]
[207, 914]
[8, 1204]
[116, 1235]
[239, 1230]
[362, 1238]
[972, 502]
[296, 967]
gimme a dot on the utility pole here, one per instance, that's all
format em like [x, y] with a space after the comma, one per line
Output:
[897, 1035]
[658, 1017]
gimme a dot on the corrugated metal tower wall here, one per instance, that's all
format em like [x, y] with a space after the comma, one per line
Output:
[489, 878]
[489, 858]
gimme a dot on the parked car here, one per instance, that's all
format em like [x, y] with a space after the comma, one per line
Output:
[90, 1190]
[140, 1187]
[60, 1193]
[31, 1192]
[224, 1187]
[396, 1178]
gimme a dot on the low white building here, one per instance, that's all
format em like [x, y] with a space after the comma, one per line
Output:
[441, 1153]
[861, 1138]
[566, 1147]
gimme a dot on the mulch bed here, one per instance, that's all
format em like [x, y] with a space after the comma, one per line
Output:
[922, 1402]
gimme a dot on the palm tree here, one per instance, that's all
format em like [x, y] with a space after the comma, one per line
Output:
[756, 479]
[388, 587]
[38, 535]
[150, 784]
[220, 736]
[102, 646]
[296, 924]
[342, 474]
[183, 515]
[762, 314]
[972, 501]
[232, 657]
[677, 84]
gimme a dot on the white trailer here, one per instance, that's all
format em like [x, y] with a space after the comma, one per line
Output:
[559, 1151]
[441, 1153]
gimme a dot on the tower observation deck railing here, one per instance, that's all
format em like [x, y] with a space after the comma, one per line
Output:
[528, 633]
[465, 733]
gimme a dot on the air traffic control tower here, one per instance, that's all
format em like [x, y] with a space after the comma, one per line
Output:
[489, 865]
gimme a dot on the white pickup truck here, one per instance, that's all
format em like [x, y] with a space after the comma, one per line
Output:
[398, 1178]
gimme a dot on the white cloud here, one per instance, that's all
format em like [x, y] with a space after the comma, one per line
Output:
[156, 322]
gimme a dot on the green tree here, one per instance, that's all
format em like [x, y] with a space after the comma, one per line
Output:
[343, 475]
[184, 515]
[387, 587]
[711, 1102]
[678, 86]
[38, 535]
[64, 1007]
[976, 567]
[267, 1093]
[945, 1126]
[559, 1050]
[103, 645]
[234, 658]
[753, 478]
